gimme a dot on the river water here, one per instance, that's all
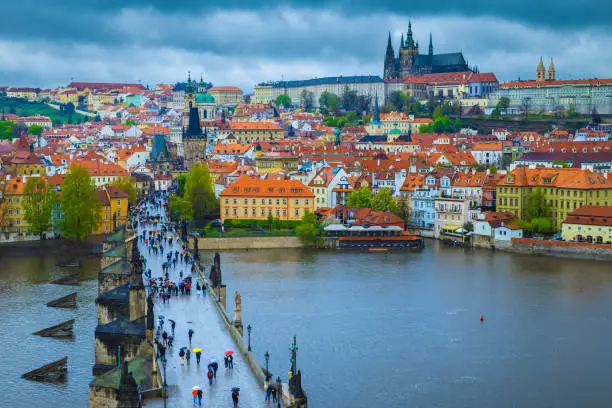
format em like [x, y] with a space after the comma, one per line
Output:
[25, 273]
[404, 330]
[373, 330]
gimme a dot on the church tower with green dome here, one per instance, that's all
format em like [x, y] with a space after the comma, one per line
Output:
[194, 139]
[205, 102]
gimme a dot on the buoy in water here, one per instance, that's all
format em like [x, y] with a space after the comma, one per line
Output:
[482, 318]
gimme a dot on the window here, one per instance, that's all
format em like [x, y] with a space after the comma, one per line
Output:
[246, 201]
[263, 211]
[226, 201]
[297, 202]
[226, 211]
[234, 211]
[246, 211]
[235, 201]
[306, 201]
[254, 212]
[297, 212]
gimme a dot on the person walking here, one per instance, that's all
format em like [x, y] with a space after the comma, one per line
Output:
[190, 334]
[188, 356]
[210, 376]
[172, 325]
[230, 362]
[194, 393]
[182, 356]
[200, 393]
[165, 338]
[215, 367]
[198, 356]
[235, 396]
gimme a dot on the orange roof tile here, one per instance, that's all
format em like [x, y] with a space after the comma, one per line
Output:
[246, 186]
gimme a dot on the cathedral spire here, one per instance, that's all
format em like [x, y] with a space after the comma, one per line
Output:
[409, 39]
[375, 115]
[402, 41]
[390, 70]
[430, 45]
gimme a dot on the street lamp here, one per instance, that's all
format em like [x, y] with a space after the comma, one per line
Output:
[267, 357]
[164, 385]
[249, 332]
[279, 391]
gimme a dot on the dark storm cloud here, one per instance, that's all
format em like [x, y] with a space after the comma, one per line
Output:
[244, 42]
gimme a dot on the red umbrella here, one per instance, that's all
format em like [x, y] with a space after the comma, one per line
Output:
[229, 352]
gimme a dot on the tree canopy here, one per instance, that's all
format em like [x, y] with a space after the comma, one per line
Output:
[329, 101]
[283, 100]
[397, 100]
[360, 198]
[128, 186]
[306, 99]
[6, 130]
[195, 198]
[78, 204]
[35, 130]
[307, 230]
[39, 200]
[384, 201]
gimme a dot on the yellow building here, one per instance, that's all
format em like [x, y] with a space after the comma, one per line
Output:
[12, 213]
[589, 224]
[262, 94]
[26, 163]
[113, 207]
[253, 199]
[69, 95]
[274, 162]
[226, 95]
[565, 190]
[250, 131]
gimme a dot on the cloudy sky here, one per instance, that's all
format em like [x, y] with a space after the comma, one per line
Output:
[49, 43]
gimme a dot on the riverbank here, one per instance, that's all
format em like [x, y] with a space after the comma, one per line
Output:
[70, 248]
[223, 244]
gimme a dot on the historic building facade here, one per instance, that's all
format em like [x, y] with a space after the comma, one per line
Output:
[549, 94]
[410, 63]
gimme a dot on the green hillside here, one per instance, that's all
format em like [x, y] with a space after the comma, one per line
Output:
[22, 107]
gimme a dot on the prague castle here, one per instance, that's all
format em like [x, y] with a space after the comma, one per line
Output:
[410, 63]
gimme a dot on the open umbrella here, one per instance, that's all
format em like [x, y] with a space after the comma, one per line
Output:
[171, 321]
[197, 350]
[196, 388]
[229, 352]
[161, 317]
[237, 389]
[183, 348]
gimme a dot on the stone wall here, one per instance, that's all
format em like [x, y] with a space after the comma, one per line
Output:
[220, 244]
[562, 249]
[110, 311]
[102, 397]
[106, 348]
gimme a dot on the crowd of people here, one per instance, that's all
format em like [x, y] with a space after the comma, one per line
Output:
[159, 239]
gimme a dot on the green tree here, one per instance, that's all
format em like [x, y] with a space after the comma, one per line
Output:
[283, 100]
[349, 99]
[181, 206]
[360, 198]
[39, 200]
[384, 201]
[270, 220]
[437, 113]
[397, 100]
[128, 186]
[307, 231]
[329, 101]
[536, 205]
[130, 122]
[6, 130]
[492, 169]
[181, 180]
[78, 204]
[306, 99]
[199, 191]
[404, 211]
[503, 103]
[35, 130]
[351, 118]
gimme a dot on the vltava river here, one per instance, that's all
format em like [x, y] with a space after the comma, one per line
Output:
[374, 330]
[403, 330]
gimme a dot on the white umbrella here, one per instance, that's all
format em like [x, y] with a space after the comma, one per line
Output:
[196, 387]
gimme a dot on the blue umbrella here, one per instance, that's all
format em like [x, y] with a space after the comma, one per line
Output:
[161, 317]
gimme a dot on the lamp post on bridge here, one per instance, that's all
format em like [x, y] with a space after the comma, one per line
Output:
[267, 357]
[249, 332]
[164, 385]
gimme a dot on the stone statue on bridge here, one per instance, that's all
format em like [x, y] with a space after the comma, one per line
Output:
[238, 312]
[215, 271]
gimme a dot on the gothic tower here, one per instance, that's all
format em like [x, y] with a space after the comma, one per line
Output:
[408, 53]
[552, 74]
[430, 46]
[189, 100]
[540, 71]
[390, 70]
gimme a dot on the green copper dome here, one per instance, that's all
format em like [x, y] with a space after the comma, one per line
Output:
[204, 98]
[395, 131]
